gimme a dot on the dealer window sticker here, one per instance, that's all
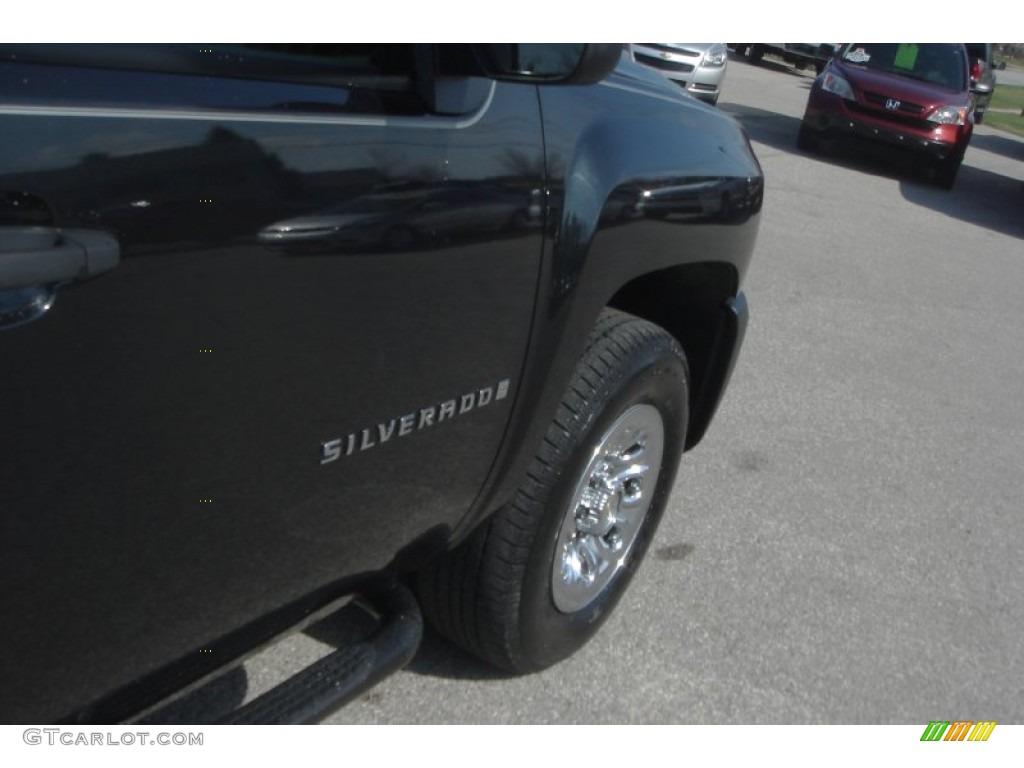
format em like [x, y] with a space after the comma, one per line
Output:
[906, 56]
[858, 56]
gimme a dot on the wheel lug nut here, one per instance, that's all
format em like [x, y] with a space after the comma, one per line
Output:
[613, 539]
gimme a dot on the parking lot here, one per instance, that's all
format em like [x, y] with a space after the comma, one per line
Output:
[844, 547]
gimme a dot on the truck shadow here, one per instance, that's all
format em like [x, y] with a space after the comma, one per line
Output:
[218, 698]
[437, 657]
[764, 126]
[207, 704]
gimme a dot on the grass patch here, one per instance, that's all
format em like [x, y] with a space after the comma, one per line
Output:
[1004, 122]
[1009, 97]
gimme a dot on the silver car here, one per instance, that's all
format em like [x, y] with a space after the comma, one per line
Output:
[698, 67]
[983, 77]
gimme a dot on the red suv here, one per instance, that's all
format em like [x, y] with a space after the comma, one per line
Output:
[911, 96]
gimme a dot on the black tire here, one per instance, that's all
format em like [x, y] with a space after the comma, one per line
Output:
[755, 53]
[496, 594]
[979, 117]
[807, 139]
[944, 172]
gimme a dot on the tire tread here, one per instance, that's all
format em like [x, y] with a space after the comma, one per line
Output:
[471, 595]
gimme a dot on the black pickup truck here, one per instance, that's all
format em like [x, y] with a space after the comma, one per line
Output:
[800, 55]
[287, 330]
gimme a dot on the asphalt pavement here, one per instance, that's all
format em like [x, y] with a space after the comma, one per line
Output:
[1010, 76]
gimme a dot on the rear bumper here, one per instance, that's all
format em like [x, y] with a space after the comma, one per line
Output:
[982, 93]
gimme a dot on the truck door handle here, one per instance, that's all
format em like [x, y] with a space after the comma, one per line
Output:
[36, 261]
[47, 256]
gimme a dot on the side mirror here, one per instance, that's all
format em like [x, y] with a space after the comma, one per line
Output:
[568, 63]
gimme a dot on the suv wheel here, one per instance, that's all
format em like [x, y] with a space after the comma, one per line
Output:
[533, 584]
[944, 172]
[807, 139]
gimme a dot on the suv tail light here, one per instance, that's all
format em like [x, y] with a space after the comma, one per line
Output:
[975, 69]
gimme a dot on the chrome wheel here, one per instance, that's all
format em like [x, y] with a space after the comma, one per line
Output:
[608, 508]
[537, 580]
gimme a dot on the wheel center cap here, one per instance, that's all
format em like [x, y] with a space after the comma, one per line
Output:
[608, 508]
[596, 514]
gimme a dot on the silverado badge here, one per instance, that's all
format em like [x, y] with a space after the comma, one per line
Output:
[406, 424]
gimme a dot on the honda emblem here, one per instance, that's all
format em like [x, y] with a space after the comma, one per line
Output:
[892, 104]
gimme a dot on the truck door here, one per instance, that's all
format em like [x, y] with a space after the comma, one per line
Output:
[255, 335]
